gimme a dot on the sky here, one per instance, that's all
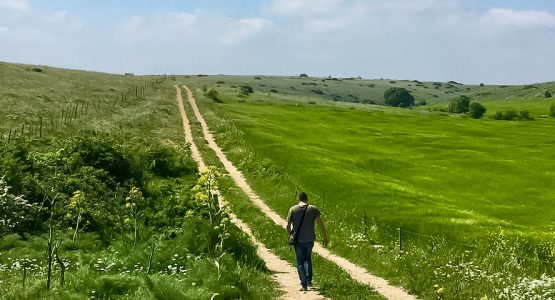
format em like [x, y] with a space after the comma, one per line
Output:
[469, 41]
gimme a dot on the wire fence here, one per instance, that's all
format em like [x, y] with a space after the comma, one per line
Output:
[43, 124]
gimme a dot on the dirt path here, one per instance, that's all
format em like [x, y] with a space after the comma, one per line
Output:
[284, 273]
[358, 273]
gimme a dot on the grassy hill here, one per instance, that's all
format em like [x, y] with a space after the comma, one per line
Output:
[461, 190]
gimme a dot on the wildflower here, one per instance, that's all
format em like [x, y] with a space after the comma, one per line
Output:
[440, 291]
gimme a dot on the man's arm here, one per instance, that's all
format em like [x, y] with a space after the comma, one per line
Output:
[289, 227]
[326, 240]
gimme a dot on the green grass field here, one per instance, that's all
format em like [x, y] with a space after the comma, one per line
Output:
[472, 197]
[480, 188]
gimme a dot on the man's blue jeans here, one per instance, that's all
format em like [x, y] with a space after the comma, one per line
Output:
[303, 251]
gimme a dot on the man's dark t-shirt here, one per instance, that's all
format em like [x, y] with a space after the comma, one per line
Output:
[306, 233]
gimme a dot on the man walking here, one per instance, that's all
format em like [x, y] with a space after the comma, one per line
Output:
[300, 226]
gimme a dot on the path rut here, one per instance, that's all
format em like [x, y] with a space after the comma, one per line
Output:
[283, 272]
[356, 272]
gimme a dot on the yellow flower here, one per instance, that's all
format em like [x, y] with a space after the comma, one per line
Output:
[201, 196]
[440, 291]
[484, 298]
[128, 205]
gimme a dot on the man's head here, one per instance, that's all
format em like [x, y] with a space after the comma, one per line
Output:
[303, 197]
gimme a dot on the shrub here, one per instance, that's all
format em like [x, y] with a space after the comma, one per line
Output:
[303, 75]
[257, 78]
[476, 110]
[421, 103]
[400, 97]
[319, 92]
[481, 84]
[14, 210]
[213, 94]
[219, 82]
[246, 90]
[511, 115]
[547, 94]
[552, 110]
[524, 115]
[460, 105]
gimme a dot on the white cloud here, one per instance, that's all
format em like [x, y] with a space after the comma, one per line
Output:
[17, 5]
[56, 17]
[306, 7]
[503, 17]
[132, 25]
[244, 29]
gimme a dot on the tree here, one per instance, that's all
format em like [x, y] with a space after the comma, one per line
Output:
[460, 105]
[398, 97]
[476, 110]
[547, 94]
[303, 75]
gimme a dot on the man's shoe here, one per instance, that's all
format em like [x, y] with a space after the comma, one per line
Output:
[303, 289]
[309, 284]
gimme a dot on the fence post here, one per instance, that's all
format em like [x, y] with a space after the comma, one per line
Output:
[324, 201]
[10, 136]
[365, 223]
[40, 128]
[400, 241]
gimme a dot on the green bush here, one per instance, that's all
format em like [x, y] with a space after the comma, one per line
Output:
[512, 115]
[213, 94]
[476, 110]
[460, 105]
[552, 110]
[246, 90]
[547, 94]
[400, 97]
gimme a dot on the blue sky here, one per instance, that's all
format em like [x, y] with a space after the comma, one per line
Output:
[463, 40]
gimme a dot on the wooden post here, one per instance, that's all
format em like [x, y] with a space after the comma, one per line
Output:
[400, 242]
[40, 128]
[324, 201]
